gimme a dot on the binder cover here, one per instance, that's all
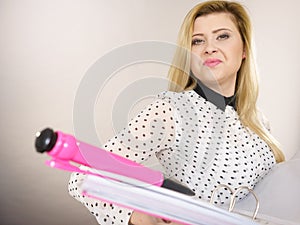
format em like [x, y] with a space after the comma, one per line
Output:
[160, 202]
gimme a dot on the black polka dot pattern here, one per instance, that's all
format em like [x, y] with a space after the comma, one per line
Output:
[196, 143]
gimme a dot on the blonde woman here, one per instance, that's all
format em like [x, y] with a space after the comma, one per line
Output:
[205, 131]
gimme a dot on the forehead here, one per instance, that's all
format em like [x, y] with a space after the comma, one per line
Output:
[214, 21]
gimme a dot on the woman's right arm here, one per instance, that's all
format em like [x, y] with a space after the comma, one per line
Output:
[148, 133]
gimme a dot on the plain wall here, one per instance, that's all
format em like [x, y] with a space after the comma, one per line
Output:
[48, 46]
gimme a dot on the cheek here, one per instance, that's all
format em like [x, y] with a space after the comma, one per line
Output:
[195, 59]
[195, 52]
[236, 55]
[236, 63]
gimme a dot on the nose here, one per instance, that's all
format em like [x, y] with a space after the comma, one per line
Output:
[210, 48]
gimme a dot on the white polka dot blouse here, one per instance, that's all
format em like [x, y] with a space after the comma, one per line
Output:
[198, 139]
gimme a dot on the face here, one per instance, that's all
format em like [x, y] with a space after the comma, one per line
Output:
[217, 52]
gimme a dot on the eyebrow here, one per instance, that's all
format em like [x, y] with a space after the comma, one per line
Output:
[215, 31]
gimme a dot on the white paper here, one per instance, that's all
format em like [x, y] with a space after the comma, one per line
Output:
[161, 202]
[278, 194]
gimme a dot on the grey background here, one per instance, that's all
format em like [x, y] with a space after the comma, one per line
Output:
[46, 48]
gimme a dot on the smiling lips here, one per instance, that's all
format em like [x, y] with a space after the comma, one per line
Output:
[212, 62]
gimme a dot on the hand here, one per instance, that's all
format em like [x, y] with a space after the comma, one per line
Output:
[138, 218]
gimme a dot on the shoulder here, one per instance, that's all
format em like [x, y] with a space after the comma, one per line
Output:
[175, 97]
[263, 120]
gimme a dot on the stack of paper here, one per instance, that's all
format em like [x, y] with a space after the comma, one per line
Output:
[277, 193]
[160, 202]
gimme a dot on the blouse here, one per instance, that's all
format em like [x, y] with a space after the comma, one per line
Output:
[198, 139]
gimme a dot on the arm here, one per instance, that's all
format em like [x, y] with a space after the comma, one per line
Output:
[148, 133]
[138, 218]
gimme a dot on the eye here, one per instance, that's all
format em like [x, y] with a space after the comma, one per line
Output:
[197, 41]
[223, 37]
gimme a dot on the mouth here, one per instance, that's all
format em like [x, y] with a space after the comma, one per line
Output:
[212, 62]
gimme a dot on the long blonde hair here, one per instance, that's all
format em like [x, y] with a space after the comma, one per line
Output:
[247, 83]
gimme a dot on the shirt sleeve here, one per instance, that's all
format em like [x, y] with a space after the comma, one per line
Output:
[147, 134]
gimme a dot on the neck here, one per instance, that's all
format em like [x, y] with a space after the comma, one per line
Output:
[214, 97]
[226, 88]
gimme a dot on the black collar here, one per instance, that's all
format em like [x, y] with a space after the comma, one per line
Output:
[217, 99]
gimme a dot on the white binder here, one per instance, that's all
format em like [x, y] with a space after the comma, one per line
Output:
[178, 207]
[160, 202]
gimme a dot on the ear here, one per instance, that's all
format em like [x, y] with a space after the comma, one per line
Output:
[244, 54]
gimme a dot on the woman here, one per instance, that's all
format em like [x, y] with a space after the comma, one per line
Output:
[206, 130]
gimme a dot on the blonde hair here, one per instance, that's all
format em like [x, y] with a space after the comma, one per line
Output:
[247, 83]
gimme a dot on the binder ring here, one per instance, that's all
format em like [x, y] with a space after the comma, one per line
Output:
[233, 197]
[233, 200]
[217, 188]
